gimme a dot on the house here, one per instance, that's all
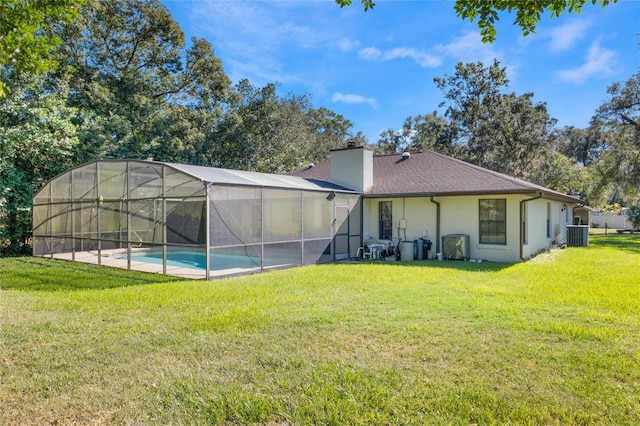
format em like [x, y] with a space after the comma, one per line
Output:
[203, 222]
[430, 196]
[584, 213]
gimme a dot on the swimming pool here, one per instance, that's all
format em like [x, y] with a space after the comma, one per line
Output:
[197, 260]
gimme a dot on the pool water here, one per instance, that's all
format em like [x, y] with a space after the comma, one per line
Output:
[197, 260]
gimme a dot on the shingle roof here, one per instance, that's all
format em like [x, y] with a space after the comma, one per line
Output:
[431, 173]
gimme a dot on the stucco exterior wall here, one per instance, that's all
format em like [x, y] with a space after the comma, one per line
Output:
[460, 215]
[535, 223]
[537, 238]
[352, 168]
[416, 217]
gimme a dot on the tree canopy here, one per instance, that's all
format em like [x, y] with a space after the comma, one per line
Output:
[129, 85]
[527, 13]
[485, 124]
[28, 33]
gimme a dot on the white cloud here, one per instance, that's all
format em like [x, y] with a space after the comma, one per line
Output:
[423, 59]
[254, 38]
[353, 99]
[347, 44]
[470, 48]
[565, 36]
[370, 54]
[600, 61]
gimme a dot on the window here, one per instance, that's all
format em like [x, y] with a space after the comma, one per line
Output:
[385, 227]
[493, 221]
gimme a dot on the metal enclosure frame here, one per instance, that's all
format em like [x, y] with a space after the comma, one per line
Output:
[191, 221]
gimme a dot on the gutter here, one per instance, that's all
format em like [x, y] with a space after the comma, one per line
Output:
[522, 218]
[438, 224]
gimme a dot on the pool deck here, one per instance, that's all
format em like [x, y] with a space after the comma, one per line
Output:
[111, 258]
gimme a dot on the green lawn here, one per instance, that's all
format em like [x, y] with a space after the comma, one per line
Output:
[552, 341]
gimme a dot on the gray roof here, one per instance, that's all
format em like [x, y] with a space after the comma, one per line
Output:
[430, 173]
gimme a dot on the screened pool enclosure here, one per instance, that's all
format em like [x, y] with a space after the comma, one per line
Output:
[192, 221]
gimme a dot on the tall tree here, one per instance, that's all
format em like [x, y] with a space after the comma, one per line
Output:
[618, 120]
[264, 132]
[130, 72]
[28, 34]
[36, 143]
[471, 93]
[583, 145]
[431, 132]
[391, 142]
[496, 130]
[518, 132]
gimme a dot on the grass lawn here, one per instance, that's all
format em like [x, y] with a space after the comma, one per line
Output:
[552, 341]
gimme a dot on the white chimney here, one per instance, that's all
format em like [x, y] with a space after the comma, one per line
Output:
[352, 167]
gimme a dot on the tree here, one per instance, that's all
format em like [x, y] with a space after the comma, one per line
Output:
[28, 34]
[527, 12]
[139, 91]
[486, 11]
[391, 142]
[471, 93]
[36, 144]
[519, 133]
[582, 145]
[500, 131]
[431, 132]
[263, 132]
[618, 123]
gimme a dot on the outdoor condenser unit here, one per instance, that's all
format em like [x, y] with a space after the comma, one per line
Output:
[456, 247]
[577, 236]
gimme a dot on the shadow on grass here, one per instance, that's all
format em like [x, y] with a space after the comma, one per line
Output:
[41, 274]
[627, 242]
[458, 265]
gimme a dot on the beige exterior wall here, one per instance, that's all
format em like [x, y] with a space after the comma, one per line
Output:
[352, 168]
[416, 217]
[460, 215]
[536, 212]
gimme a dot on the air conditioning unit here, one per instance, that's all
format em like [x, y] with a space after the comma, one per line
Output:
[456, 247]
[577, 235]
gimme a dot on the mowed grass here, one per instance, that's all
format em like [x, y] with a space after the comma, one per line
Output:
[552, 341]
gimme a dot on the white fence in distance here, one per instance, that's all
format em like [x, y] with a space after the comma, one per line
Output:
[611, 221]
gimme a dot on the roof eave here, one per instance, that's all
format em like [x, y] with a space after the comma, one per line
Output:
[545, 194]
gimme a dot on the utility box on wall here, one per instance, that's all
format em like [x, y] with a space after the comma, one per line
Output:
[456, 247]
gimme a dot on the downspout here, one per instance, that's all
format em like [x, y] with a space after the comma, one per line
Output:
[437, 223]
[520, 223]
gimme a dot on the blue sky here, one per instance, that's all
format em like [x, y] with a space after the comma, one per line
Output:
[376, 68]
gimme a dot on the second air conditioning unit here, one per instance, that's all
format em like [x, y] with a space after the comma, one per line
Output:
[456, 247]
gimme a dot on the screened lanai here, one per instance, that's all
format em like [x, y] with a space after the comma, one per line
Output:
[192, 221]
